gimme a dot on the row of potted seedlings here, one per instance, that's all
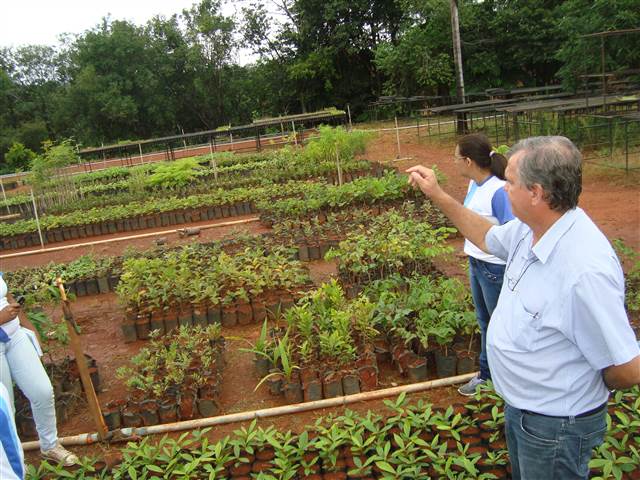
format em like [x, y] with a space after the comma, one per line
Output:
[417, 440]
[427, 325]
[319, 158]
[149, 213]
[134, 214]
[201, 285]
[373, 192]
[392, 243]
[67, 391]
[407, 441]
[311, 239]
[175, 377]
[331, 346]
[324, 351]
[198, 182]
[163, 212]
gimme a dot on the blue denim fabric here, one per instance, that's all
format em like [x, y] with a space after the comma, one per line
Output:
[552, 448]
[19, 362]
[486, 282]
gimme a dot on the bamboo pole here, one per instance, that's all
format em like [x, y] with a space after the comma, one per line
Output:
[397, 136]
[212, 160]
[129, 237]
[127, 433]
[81, 361]
[35, 212]
[4, 196]
[338, 166]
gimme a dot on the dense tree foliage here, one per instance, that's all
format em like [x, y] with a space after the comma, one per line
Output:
[120, 81]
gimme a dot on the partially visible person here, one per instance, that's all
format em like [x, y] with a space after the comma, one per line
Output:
[559, 338]
[11, 455]
[484, 167]
[20, 362]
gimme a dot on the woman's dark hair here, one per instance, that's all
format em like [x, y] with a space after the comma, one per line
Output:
[476, 147]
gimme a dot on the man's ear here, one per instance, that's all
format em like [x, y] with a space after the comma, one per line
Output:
[537, 194]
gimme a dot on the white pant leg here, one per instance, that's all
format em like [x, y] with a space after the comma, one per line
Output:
[21, 364]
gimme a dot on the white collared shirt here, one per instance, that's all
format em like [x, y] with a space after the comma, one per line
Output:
[560, 318]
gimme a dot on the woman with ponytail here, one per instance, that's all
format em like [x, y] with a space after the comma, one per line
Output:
[484, 167]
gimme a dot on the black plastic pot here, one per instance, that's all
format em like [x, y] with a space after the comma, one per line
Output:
[185, 318]
[466, 364]
[129, 332]
[208, 407]
[103, 284]
[293, 392]
[229, 317]
[303, 253]
[157, 323]
[350, 384]
[214, 314]
[275, 383]
[332, 385]
[312, 390]
[445, 365]
[262, 365]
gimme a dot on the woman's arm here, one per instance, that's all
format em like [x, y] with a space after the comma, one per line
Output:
[24, 320]
[9, 312]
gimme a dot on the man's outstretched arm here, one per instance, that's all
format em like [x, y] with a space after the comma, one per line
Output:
[471, 225]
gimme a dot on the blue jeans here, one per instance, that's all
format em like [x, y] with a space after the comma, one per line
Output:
[486, 282]
[552, 448]
[20, 363]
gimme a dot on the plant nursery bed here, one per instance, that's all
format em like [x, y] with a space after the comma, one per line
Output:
[141, 244]
[609, 198]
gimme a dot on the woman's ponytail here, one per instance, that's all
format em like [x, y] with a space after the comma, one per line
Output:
[498, 164]
[477, 148]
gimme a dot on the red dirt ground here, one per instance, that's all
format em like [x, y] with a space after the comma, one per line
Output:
[609, 197]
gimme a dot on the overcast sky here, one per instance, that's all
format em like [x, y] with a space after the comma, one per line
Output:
[24, 22]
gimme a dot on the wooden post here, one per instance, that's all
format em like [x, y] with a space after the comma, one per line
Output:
[338, 166]
[457, 51]
[212, 160]
[604, 78]
[295, 135]
[35, 212]
[76, 346]
[140, 149]
[349, 114]
[397, 136]
[4, 196]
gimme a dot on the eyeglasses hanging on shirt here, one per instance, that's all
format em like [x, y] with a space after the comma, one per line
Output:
[513, 281]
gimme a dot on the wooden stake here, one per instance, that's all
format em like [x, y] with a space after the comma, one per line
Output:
[35, 212]
[397, 136]
[4, 196]
[339, 166]
[76, 346]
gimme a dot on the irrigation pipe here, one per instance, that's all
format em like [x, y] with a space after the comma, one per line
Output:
[130, 237]
[127, 433]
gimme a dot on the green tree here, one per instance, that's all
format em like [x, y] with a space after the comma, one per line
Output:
[18, 158]
[579, 55]
[211, 37]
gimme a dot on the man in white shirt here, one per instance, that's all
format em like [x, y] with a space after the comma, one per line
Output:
[559, 337]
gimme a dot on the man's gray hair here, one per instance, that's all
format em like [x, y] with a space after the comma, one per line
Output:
[555, 164]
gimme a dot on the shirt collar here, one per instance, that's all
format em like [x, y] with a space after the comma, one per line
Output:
[545, 246]
[484, 181]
